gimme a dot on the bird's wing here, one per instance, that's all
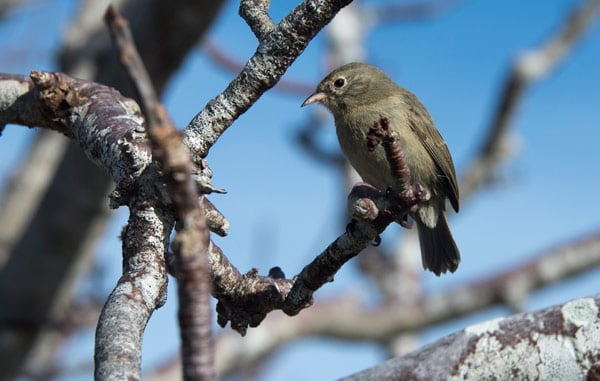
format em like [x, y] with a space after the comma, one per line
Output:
[436, 147]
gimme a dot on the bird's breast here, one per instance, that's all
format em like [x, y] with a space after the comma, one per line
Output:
[373, 167]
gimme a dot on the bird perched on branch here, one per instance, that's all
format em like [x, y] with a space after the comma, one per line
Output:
[358, 95]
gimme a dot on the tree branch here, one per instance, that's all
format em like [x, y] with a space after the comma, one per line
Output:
[528, 68]
[192, 238]
[140, 290]
[262, 71]
[256, 14]
[391, 318]
[556, 343]
[415, 11]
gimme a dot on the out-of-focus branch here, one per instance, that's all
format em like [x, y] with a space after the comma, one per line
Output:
[308, 139]
[21, 197]
[7, 5]
[416, 11]
[528, 68]
[262, 71]
[556, 343]
[191, 241]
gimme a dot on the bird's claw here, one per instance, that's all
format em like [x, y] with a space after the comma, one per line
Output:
[415, 194]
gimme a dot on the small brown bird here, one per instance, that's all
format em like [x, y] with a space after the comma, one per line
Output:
[358, 95]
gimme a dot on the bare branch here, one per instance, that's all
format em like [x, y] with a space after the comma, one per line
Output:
[140, 290]
[22, 197]
[392, 318]
[261, 72]
[245, 300]
[74, 107]
[416, 11]
[527, 69]
[191, 242]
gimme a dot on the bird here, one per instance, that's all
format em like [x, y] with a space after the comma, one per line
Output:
[358, 94]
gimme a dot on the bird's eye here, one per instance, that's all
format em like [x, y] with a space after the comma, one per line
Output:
[340, 82]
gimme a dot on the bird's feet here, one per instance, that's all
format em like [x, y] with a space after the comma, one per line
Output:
[415, 194]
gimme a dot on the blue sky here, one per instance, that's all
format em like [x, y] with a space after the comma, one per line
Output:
[284, 207]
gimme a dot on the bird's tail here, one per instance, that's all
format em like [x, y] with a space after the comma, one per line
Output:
[438, 249]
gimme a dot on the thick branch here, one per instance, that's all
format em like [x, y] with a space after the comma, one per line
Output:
[140, 290]
[74, 107]
[557, 343]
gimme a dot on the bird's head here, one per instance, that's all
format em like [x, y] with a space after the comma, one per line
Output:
[351, 85]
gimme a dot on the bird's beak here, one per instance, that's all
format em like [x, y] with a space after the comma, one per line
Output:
[314, 98]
